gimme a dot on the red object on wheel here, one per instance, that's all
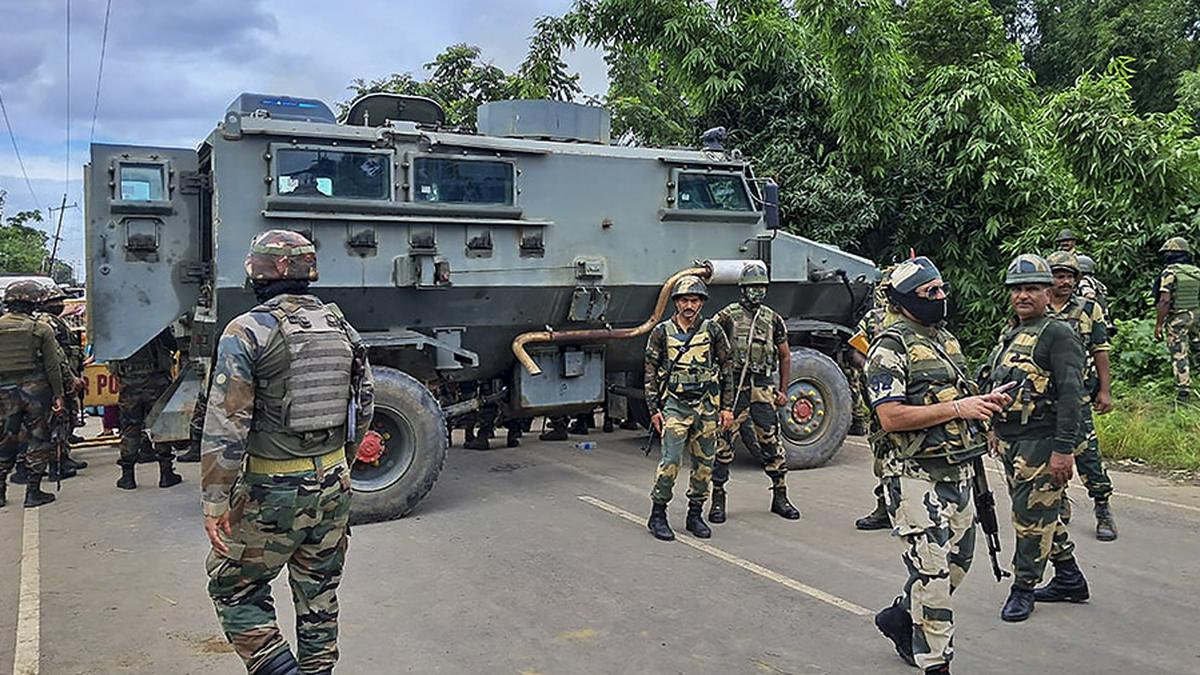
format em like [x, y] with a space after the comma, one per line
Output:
[371, 448]
[802, 410]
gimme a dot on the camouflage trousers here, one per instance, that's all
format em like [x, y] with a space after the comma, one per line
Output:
[936, 520]
[1089, 462]
[1036, 500]
[1183, 340]
[136, 398]
[298, 520]
[756, 405]
[692, 428]
[25, 411]
[860, 411]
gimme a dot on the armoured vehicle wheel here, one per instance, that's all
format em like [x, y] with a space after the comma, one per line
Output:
[412, 429]
[816, 418]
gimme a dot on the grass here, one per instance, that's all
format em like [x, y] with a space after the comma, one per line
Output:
[1151, 429]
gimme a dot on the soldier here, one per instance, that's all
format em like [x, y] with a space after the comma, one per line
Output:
[872, 324]
[144, 377]
[923, 402]
[31, 388]
[688, 380]
[1037, 436]
[1092, 288]
[760, 354]
[291, 398]
[49, 312]
[1177, 294]
[1066, 240]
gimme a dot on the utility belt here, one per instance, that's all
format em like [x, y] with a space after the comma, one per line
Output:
[320, 463]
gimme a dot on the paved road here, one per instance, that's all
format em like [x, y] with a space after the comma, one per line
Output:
[523, 561]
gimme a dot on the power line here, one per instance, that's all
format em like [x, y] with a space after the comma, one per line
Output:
[100, 70]
[20, 162]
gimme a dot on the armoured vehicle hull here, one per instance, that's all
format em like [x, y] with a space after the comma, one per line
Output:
[442, 248]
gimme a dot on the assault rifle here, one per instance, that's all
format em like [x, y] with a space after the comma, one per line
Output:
[985, 513]
[60, 435]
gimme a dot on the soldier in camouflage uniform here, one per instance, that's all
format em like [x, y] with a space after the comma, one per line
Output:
[924, 404]
[1088, 321]
[1066, 240]
[872, 324]
[689, 393]
[49, 312]
[144, 377]
[759, 337]
[1177, 294]
[291, 398]
[1092, 288]
[31, 388]
[1037, 436]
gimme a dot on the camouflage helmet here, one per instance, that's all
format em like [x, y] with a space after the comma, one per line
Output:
[53, 292]
[754, 274]
[690, 285]
[1175, 244]
[274, 245]
[1086, 264]
[25, 290]
[1063, 260]
[1065, 234]
[1028, 268]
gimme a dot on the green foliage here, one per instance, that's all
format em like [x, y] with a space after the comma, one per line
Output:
[1153, 430]
[22, 248]
[1139, 362]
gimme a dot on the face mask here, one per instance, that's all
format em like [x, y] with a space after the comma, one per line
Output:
[926, 312]
[754, 295]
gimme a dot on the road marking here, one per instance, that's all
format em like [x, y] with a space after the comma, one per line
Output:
[28, 647]
[732, 559]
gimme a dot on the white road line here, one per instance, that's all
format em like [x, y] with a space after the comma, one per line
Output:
[751, 567]
[28, 648]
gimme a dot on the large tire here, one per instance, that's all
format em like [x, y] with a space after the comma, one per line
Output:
[414, 430]
[814, 423]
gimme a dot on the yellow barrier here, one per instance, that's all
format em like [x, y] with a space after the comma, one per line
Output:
[100, 387]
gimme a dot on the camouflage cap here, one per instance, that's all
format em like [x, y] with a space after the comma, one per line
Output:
[1065, 234]
[1175, 244]
[53, 292]
[271, 246]
[754, 274]
[1086, 264]
[1028, 268]
[690, 285]
[911, 274]
[1063, 260]
[25, 290]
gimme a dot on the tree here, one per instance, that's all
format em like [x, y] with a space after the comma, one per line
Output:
[22, 248]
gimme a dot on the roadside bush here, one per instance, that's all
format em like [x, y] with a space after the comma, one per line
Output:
[1153, 430]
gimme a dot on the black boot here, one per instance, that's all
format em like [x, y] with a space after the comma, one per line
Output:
[578, 426]
[282, 663]
[896, 625]
[1019, 605]
[166, 474]
[3, 490]
[1106, 527]
[77, 464]
[781, 506]
[59, 471]
[658, 525]
[695, 521]
[875, 520]
[512, 438]
[556, 432]
[127, 481]
[34, 497]
[192, 454]
[1068, 585]
[716, 512]
[478, 442]
[20, 474]
[628, 424]
[608, 427]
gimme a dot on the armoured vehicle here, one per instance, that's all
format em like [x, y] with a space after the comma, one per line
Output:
[496, 275]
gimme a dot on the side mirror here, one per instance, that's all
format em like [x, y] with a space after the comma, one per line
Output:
[771, 205]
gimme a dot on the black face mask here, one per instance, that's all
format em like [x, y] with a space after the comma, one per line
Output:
[1176, 257]
[265, 290]
[926, 312]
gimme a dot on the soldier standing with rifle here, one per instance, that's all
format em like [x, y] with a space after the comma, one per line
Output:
[760, 354]
[49, 312]
[689, 392]
[924, 404]
[1037, 434]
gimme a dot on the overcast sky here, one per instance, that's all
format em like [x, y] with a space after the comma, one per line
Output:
[172, 66]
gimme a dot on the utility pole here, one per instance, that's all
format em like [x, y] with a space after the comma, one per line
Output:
[48, 266]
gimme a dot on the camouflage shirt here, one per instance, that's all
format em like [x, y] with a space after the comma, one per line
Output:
[1087, 319]
[919, 365]
[656, 363]
[231, 405]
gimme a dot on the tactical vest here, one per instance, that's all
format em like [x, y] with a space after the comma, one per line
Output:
[65, 338]
[1187, 287]
[1073, 313]
[1012, 361]
[20, 349]
[934, 376]
[311, 390]
[695, 371]
[753, 339]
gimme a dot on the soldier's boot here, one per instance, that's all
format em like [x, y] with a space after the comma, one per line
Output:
[77, 464]
[3, 490]
[858, 427]
[695, 521]
[1019, 605]
[20, 474]
[192, 454]
[1064, 509]
[1068, 585]
[512, 437]
[780, 505]
[282, 663]
[478, 442]
[1106, 527]
[609, 426]
[34, 497]
[628, 424]
[875, 520]
[716, 512]
[166, 474]
[896, 625]
[578, 426]
[127, 480]
[1183, 396]
[942, 669]
[658, 525]
[59, 471]
[556, 432]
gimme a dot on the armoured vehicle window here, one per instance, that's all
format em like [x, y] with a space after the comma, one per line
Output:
[142, 182]
[723, 192]
[304, 172]
[439, 179]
